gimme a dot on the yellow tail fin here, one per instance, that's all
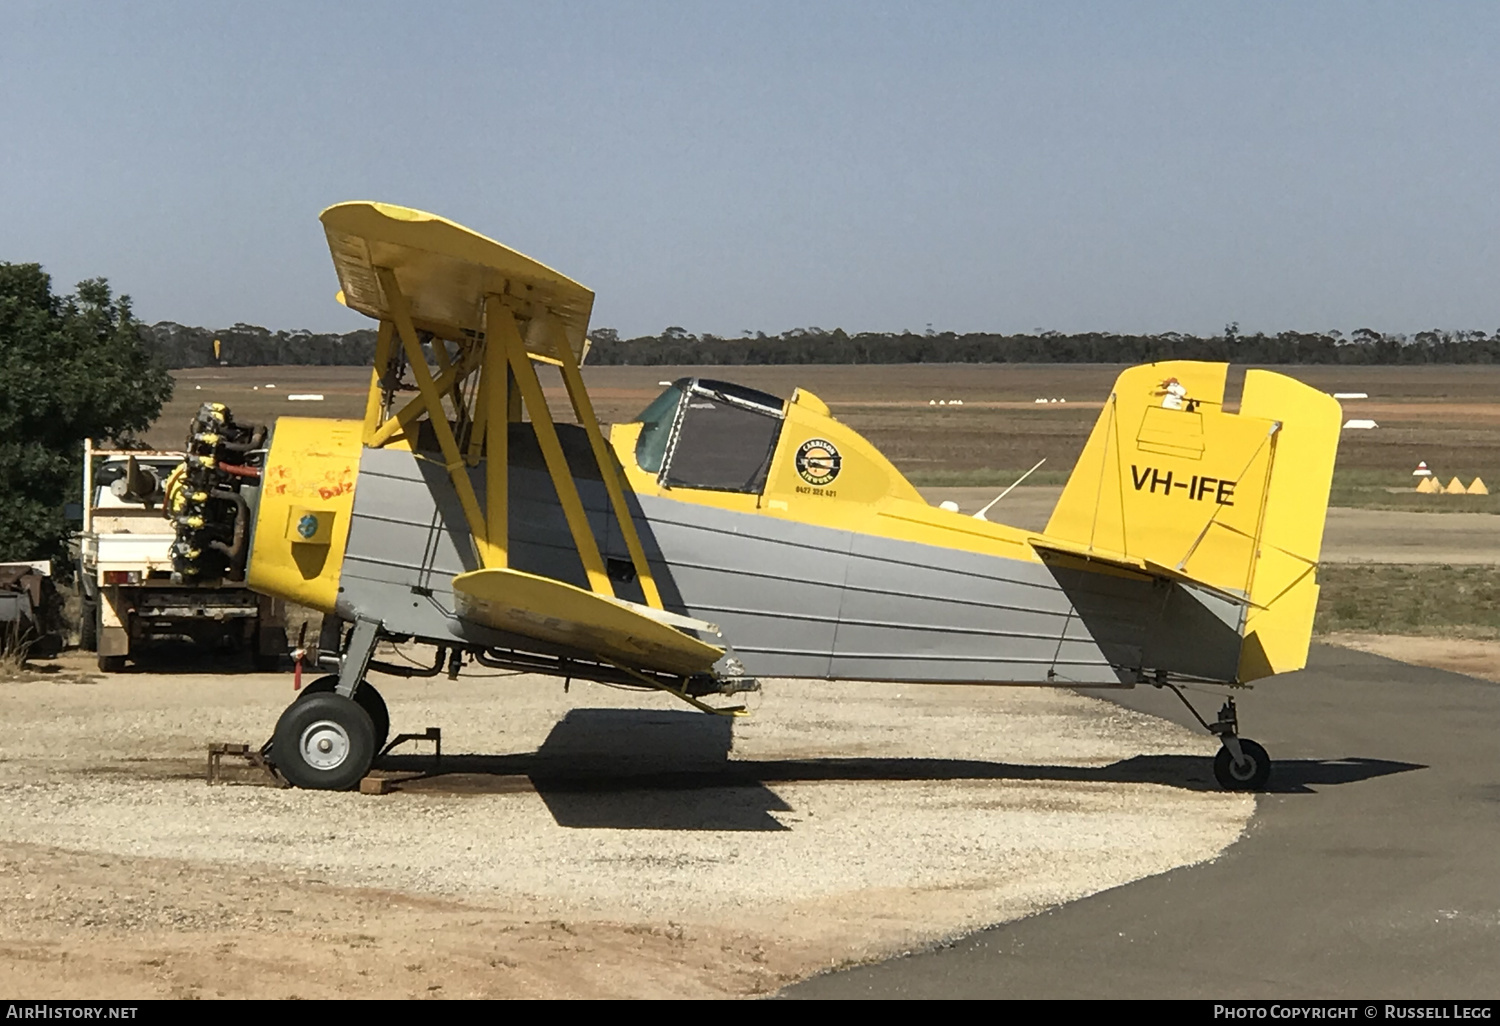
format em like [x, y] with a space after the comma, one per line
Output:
[1235, 501]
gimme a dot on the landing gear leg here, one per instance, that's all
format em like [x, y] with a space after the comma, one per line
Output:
[357, 656]
[1241, 764]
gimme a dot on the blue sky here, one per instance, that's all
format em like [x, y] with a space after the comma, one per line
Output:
[975, 166]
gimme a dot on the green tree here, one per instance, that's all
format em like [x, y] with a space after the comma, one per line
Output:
[71, 367]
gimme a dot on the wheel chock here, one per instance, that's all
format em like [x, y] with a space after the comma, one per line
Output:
[254, 757]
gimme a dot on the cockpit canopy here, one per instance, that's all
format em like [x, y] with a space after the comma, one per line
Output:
[702, 433]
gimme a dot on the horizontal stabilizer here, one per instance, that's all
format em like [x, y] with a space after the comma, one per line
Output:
[1046, 547]
[1146, 617]
[553, 611]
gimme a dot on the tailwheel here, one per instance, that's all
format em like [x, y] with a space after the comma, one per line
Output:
[1241, 765]
[1250, 772]
[324, 742]
[365, 696]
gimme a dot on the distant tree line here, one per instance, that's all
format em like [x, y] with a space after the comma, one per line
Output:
[248, 345]
[816, 345]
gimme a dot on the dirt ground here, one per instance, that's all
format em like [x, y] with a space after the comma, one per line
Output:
[1473, 657]
[589, 844]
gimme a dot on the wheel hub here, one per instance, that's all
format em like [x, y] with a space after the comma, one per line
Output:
[324, 745]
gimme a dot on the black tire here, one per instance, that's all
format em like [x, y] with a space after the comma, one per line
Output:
[112, 664]
[1251, 776]
[323, 742]
[366, 697]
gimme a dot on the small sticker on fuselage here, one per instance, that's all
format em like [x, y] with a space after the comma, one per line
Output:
[818, 461]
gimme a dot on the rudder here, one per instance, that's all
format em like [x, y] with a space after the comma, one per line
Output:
[1284, 591]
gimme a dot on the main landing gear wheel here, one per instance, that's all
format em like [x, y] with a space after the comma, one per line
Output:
[324, 742]
[1248, 774]
[365, 696]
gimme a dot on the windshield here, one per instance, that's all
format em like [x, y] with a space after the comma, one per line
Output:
[656, 428]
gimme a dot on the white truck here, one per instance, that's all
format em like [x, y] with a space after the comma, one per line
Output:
[130, 602]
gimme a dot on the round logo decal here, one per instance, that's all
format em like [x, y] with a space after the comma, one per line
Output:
[307, 526]
[818, 461]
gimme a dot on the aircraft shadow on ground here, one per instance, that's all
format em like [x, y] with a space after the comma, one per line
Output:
[669, 770]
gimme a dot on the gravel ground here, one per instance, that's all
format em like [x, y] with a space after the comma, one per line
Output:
[838, 823]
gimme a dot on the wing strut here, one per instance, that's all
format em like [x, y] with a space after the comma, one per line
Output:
[376, 401]
[430, 395]
[501, 329]
[408, 414]
[583, 408]
[493, 425]
[492, 315]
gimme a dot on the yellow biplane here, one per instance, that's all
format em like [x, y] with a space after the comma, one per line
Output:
[727, 536]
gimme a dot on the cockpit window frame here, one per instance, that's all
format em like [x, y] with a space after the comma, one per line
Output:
[741, 395]
[683, 387]
[731, 394]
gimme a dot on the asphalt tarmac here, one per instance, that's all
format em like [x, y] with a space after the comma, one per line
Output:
[1370, 870]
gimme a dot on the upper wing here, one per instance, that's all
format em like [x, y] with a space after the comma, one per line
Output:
[445, 271]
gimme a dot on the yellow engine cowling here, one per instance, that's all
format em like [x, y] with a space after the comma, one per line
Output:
[307, 497]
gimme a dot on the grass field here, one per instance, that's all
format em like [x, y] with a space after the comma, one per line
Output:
[1382, 489]
[1451, 601]
[1448, 416]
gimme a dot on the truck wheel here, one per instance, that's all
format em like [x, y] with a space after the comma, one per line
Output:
[366, 697]
[324, 742]
[112, 664]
